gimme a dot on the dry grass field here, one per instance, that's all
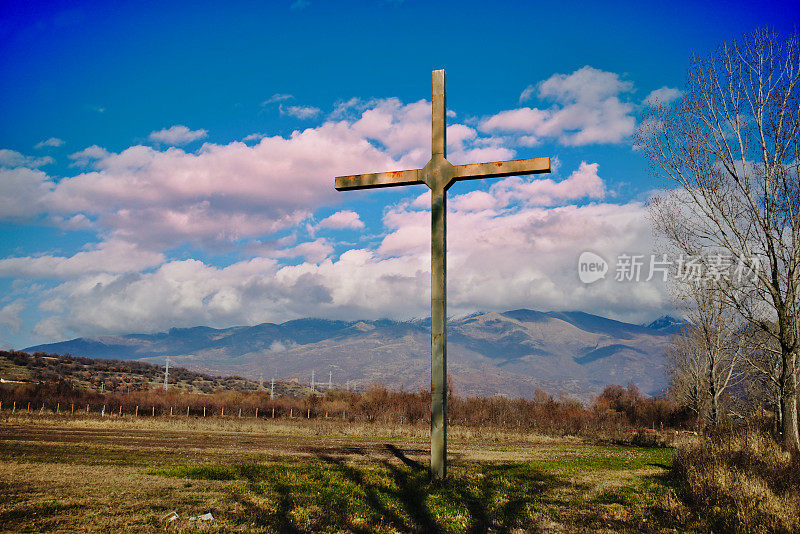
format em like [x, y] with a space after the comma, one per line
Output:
[115, 474]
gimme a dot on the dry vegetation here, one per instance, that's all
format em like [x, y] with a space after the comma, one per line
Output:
[617, 414]
[121, 376]
[542, 464]
[742, 481]
[86, 474]
[342, 461]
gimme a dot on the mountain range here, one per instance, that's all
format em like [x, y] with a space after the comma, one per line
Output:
[513, 353]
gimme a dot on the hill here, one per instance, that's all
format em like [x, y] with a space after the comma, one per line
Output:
[511, 353]
[122, 375]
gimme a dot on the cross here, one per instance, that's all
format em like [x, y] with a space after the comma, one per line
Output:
[439, 174]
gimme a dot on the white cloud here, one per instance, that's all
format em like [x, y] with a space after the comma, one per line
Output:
[79, 221]
[527, 93]
[52, 142]
[342, 220]
[11, 315]
[276, 98]
[497, 260]
[88, 155]
[177, 135]
[664, 95]
[517, 120]
[403, 130]
[587, 109]
[107, 257]
[313, 251]
[179, 293]
[583, 183]
[13, 159]
[472, 201]
[254, 137]
[345, 108]
[505, 250]
[586, 84]
[220, 193]
[146, 199]
[22, 192]
[300, 112]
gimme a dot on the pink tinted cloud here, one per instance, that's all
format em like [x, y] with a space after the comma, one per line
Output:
[225, 193]
[498, 259]
[177, 135]
[221, 192]
[342, 220]
[582, 183]
[109, 256]
[587, 109]
[312, 251]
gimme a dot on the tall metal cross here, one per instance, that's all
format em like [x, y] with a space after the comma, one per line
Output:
[439, 174]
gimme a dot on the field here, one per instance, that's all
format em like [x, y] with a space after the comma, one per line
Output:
[61, 473]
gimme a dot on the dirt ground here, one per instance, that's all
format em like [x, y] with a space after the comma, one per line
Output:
[84, 474]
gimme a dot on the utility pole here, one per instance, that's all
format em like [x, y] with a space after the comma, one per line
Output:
[312, 381]
[166, 375]
[330, 380]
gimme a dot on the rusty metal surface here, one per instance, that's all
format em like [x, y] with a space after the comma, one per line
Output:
[378, 179]
[498, 169]
[439, 174]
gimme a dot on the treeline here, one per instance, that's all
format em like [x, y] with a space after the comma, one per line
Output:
[122, 376]
[616, 409]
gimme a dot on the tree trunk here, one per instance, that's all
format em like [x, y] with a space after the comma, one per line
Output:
[791, 438]
[712, 386]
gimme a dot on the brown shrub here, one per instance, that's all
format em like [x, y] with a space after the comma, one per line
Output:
[740, 480]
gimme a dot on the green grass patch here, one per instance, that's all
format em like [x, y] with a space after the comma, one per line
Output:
[330, 495]
[199, 472]
[615, 458]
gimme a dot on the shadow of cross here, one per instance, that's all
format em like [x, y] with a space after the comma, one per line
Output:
[439, 174]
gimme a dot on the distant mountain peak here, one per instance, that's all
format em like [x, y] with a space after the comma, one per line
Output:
[665, 322]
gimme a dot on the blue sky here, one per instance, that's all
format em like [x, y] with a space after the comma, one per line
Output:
[172, 164]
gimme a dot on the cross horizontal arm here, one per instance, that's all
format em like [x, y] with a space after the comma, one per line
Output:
[498, 169]
[378, 179]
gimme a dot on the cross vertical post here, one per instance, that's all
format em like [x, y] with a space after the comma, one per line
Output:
[438, 285]
[439, 174]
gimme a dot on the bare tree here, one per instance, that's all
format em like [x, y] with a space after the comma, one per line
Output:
[704, 359]
[686, 374]
[765, 371]
[731, 145]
